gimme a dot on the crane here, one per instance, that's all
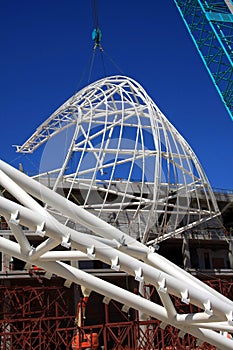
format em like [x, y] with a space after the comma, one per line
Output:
[210, 24]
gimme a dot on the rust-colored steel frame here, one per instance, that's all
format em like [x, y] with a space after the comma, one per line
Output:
[35, 318]
[143, 335]
[39, 318]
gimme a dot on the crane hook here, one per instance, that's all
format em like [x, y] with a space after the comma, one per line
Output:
[97, 36]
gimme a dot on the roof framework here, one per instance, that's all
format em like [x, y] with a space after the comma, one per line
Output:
[127, 162]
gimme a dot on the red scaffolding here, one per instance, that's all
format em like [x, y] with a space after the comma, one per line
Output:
[43, 318]
[35, 318]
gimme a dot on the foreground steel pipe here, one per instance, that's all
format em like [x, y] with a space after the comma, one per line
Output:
[102, 228]
[39, 220]
[113, 292]
[71, 255]
[111, 256]
[65, 206]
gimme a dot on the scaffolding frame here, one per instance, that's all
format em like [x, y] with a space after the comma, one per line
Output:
[39, 318]
[35, 317]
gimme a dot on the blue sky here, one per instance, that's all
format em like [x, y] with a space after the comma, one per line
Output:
[46, 46]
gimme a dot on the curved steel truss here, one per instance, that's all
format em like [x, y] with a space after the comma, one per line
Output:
[121, 159]
[112, 246]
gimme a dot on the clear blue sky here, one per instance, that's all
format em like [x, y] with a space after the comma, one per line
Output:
[46, 46]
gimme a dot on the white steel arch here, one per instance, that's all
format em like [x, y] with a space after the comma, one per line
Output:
[114, 247]
[125, 162]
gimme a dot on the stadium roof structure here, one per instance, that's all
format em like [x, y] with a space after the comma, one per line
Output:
[130, 164]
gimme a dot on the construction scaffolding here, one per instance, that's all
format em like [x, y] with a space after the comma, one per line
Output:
[35, 318]
[42, 318]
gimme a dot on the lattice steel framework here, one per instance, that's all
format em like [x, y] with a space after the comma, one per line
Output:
[212, 312]
[124, 161]
[210, 24]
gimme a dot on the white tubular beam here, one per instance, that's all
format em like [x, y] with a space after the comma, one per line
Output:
[167, 266]
[136, 252]
[113, 292]
[110, 242]
[42, 248]
[168, 304]
[20, 194]
[61, 172]
[216, 326]
[102, 228]
[63, 255]
[213, 337]
[200, 317]
[29, 202]
[91, 282]
[126, 263]
[199, 320]
[65, 206]
[28, 217]
[20, 237]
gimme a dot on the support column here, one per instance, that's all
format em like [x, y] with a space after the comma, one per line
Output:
[5, 259]
[230, 253]
[143, 330]
[186, 252]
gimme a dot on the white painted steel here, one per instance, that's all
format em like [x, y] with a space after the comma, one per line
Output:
[123, 296]
[213, 303]
[98, 250]
[89, 242]
[100, 227]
